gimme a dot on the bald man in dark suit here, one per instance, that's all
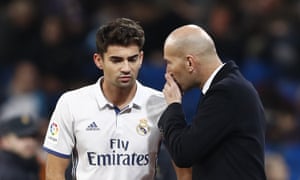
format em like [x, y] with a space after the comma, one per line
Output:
[226, 138]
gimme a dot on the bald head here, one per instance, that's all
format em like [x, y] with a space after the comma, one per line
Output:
[190, 39]
[191, 56]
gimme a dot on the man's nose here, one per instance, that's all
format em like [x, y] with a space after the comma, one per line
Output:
[126, 66]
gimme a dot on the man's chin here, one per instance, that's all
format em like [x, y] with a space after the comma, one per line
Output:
[126, 84]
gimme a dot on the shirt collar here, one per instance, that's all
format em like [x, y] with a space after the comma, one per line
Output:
[209, 80]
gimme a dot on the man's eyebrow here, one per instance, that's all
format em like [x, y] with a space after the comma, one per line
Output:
[121, 58]
[115, 57]
[133, 56]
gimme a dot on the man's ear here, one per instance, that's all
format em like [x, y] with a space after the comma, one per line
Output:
[141, 57]
[98, 60]
[190, 63]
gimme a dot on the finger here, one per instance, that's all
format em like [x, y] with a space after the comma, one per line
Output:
[169, 79]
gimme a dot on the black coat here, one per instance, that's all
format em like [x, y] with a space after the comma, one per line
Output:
[227, 135]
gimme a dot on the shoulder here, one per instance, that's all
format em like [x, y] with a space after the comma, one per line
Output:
[230, 78]
[151, 97]
[78, 94]
[146, 91]
[234, 87]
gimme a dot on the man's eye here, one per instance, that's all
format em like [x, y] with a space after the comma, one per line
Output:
[116, 60]
[133, 59]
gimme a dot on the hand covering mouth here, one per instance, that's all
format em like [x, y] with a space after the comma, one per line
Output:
[179, 86]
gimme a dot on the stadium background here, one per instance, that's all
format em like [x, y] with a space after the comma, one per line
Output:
[46, 48]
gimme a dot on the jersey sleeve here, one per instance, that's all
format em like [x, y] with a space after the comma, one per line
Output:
[59, 139]
[155, 106]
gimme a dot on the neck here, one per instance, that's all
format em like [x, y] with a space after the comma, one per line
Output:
[207, 70]
[118, 96]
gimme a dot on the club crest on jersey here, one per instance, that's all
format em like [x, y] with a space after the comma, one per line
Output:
[142, 128]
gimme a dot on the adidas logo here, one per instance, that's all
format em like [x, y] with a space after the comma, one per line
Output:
[92, 127]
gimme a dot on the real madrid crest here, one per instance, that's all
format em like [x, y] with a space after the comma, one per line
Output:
[142, 128]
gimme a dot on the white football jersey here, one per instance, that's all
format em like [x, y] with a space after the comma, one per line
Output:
[103, 141]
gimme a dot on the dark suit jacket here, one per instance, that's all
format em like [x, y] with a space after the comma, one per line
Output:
[226, 138]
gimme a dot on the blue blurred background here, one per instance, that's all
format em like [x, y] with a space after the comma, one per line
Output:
[46, 48]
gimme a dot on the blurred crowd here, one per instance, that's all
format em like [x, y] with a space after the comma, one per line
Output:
[46, 48]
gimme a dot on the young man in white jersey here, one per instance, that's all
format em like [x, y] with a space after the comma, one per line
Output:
[109, 129]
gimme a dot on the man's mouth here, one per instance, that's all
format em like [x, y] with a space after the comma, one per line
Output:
[125, 78]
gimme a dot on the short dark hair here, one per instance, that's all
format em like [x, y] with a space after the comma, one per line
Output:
[121, 31]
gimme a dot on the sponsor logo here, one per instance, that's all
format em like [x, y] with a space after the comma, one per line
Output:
[118, 159]
[119, 155]
[93, 127]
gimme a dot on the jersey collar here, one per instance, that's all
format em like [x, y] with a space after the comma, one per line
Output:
[103, 102]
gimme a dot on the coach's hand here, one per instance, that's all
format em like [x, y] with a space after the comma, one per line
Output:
[171, 90]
